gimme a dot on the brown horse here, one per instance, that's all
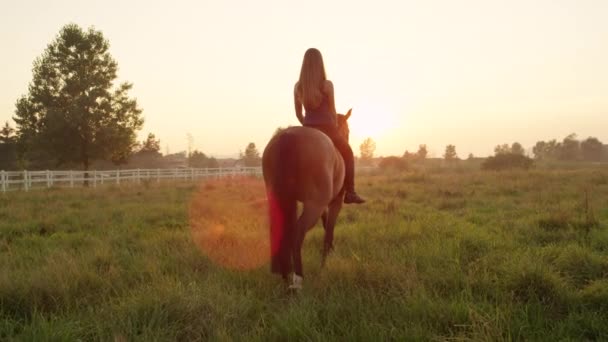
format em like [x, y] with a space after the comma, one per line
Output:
[301, 164]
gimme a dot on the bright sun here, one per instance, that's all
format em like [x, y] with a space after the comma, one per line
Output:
[370, 121]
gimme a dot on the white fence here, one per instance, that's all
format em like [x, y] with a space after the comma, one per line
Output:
[26, 180]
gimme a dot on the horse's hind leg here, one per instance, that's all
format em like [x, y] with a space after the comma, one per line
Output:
[310, 216]
[329, 224]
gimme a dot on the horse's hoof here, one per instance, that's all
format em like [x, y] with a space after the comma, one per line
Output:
[296, 282]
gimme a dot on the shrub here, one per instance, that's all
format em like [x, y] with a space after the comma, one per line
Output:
[393, 163]
[505, 161]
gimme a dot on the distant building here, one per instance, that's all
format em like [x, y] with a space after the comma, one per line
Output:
[230, 162]
[175, 160]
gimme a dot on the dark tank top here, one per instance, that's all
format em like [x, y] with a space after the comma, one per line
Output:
[321, 115]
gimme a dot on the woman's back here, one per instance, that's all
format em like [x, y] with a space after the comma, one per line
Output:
[321, 115]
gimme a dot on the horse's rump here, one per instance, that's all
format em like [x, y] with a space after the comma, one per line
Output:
[299, 164]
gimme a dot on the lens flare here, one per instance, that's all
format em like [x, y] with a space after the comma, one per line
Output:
[228, 220]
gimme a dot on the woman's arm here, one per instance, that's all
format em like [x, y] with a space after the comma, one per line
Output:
[298, 104]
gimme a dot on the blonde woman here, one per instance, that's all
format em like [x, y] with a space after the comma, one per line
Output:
[315, 93]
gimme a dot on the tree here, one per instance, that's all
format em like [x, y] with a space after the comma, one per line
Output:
[502, 149]
[450, 153]
[409, 156]
[570, 148]
[150, 145]
[547, 150]
[7, 134]
[422, 152]
[8, 148]
[199, 159]
[539, 150]
[367, 148]
[516, 148]
[73, 113]
[251, 157]
[148, 153]
[592, 149]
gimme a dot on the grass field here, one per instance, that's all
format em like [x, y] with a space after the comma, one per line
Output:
[433, 255]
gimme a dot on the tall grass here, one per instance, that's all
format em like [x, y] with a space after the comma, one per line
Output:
[433, 255]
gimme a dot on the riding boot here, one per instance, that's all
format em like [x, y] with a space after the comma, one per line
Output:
[350, 195]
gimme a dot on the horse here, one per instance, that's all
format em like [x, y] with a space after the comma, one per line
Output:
[301, 164]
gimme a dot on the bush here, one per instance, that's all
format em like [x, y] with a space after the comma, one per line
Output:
[505, 161]
[393, 163]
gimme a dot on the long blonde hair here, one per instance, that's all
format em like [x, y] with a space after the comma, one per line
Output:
[312, 76]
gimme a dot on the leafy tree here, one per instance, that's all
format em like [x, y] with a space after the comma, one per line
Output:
[73, 113]
[148, 153]
[422, 152]
[547, 150]
[367, 149]
[592, 149]
[450, 153]
[409, 156]
[251, 157]
[502, 149]
[7, 134]
[539, 150]
[570, 148]
[200, 160]
[471, 156]
[151, 144]
[8, 148]
[516, 148]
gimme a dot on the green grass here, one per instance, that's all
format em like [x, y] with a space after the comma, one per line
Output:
[434, 255]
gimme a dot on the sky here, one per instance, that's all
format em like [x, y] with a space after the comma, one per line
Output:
[472, 73]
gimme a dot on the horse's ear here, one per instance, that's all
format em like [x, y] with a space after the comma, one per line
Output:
[348, 114]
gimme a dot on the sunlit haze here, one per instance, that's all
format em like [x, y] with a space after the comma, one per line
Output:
[473, 73]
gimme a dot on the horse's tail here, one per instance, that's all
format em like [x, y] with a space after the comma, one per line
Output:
[283, 205]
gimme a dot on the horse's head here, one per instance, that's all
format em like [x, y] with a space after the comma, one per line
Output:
[343, 124]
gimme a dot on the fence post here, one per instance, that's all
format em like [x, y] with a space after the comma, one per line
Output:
[71, 179]
[157, 175]
[48, 178]
[192, 173]
[95, 178]
[25, 184]
[118, 177]
[138, 177]
[3, 177]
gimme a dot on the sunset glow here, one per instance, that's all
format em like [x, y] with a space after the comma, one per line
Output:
[371, 121]
[426, 72]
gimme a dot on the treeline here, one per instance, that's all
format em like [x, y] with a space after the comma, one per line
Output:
[570, 148]
[506, 156]
[74, 116]
[144, 155]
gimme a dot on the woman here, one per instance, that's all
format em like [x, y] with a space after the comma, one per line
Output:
[315, 93]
